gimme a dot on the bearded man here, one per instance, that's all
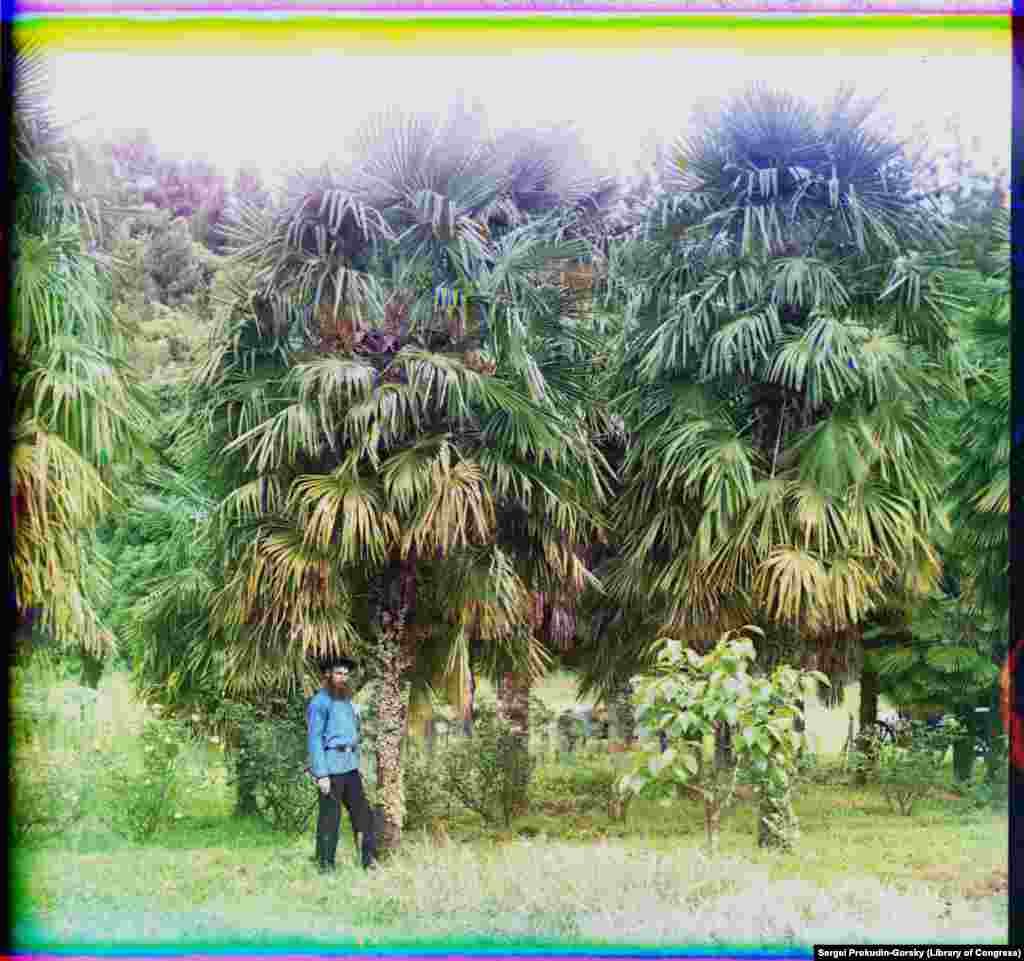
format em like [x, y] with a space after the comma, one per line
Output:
[333, 724]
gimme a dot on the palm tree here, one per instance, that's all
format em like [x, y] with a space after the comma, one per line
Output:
[381, 470]
[77, 410]
[788, 329]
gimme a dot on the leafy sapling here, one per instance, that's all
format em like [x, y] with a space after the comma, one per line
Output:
[694, 696]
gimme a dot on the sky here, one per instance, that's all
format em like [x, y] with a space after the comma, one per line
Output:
[280, 109]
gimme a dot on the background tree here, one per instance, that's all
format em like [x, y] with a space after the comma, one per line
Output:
[945, 655]
[787, 328]
[77, 408]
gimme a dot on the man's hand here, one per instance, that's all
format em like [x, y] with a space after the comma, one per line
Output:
[324, 783]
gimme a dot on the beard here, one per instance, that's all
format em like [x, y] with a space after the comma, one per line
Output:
[339, 690]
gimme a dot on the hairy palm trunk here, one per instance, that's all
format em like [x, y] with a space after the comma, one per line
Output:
[245, 773]
[514, 707]
[392, 714]
[467, 709]
[394, 658]
[514, 702]
[622, 712]
[869, 691]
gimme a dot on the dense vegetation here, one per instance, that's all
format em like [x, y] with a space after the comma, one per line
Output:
[465, 405]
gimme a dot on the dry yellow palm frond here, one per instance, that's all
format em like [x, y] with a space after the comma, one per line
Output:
[458, 510]
[790, 583]
[567, 566]
[851, 593]
[344, 509]
[333, 383]
[60, 487]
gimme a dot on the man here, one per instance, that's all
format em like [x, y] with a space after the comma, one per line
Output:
[333, 725]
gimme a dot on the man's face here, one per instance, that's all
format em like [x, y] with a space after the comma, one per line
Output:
[337, 679]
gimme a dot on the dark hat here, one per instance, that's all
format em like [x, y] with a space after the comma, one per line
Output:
[331, 662]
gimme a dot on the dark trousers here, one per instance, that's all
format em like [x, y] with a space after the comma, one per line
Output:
[346, 789]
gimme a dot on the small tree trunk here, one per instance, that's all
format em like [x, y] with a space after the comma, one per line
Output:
[622, 712]
[92, 670]
[712, 825]
[392, 714]
[467, 714]
[725, 757]
[869, 691]
[963, 758]
[800, 726]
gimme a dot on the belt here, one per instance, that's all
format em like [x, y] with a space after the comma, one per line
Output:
[347, 747]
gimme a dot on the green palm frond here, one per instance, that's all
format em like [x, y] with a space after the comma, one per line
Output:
[741, 345]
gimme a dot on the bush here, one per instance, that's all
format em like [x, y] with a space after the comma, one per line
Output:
[911, 768]
[48, 797]
[826, 772]
[271, 761]
[426, 796]
[142, 802]
[582, 788]
[490, 772]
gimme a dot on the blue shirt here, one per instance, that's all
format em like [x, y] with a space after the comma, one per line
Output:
[332, 723]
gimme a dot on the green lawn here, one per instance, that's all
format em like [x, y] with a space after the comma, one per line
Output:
[564, 873]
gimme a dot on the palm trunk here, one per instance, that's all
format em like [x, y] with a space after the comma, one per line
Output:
[467, 717]
[514, 707]
[245, 775]
[869, 691]
[392, 714]
[514, 702]
[622, 712]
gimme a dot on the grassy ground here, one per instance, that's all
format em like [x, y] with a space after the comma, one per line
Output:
[860, 874]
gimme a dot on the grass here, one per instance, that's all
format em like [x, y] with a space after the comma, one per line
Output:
[210, 879]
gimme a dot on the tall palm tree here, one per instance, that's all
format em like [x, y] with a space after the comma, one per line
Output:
[381, 469]
[787, 328]
[77, 410]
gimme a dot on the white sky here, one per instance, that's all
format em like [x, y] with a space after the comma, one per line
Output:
[268, 110]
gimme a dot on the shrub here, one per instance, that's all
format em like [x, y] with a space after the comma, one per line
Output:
[426, 796]
[911, 768]
[490, 772]
[47, 796]
[695, 697]
[271, 760]
[142, 802]
[584, 788]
